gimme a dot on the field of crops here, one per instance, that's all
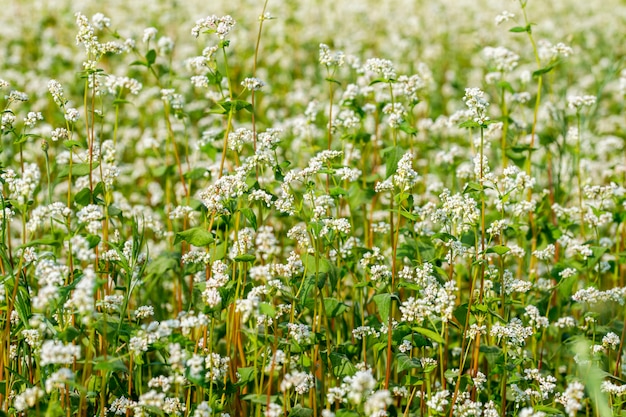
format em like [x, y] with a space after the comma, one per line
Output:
[313, 208]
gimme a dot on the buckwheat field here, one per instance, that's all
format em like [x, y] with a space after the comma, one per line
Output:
[313, 208]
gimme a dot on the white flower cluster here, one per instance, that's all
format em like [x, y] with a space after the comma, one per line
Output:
[50, 276]
[91, 216]
[28, 398]
[547, 384]
[329, 58]
[514, 333]
[476, 101]
[238, 138]
[381, 67]
[578, 102]
[341, 226]
[364, 331]
[505, 16]
[115, 84]
[535, 318]
[613, 389]
[42, 215]
[405, 177]
[503, 59]
[216, 195]
[22, 189]
[56, 352]
[592, 295]
[435, 301]
[458, 209]
[87, 37]
[301, 382]
[57, 380]
[359, 388]
[252, 84]
[82, 298]
[221, 26]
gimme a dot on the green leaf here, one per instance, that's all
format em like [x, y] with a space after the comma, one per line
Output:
[267, 309]
[334, 307]
[392, 156]
[195, 174]
[499, 249]
[48, 240]
[472, 186]
[299, 411]
[407, 128]
[469, 123]
[505, 85]
[310, 264]
[196, 236]
[226, 106]
[341, 365]
[109, 364]
[383, 302]
[151, 57]
[249, 214]
[332, 80]
[162, 264]
[344, 412]
[544, 70]
[336, 191]
[83, 197]
[432, 335]
[246, 375]
[548, 410]
[405, 362]
[246, 257]
[78, 170]
[120, 101]
[520, 29]
[93, 240]
[139, 63]
[259, 398]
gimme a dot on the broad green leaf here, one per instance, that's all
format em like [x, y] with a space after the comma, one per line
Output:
[310, 263]
[344, 412]
[78, 170]
[267, 309]
[336, 191]
[552, 411]
[259, 398]
[469, 123]
[48, 240]
[405, 362]
[498, 249]
[299, 411]
[195, 174]
[383, 302]
[151, 57]
[334, 307]
[196, 236]
[392, 156]
[432, 335]
[520, 29]
[407, 128]
[109, 364]
[246, 375]
[544, 70]
[250, 216]
[224, 107]
[141, 63]
[246, 257]
[83, 197]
